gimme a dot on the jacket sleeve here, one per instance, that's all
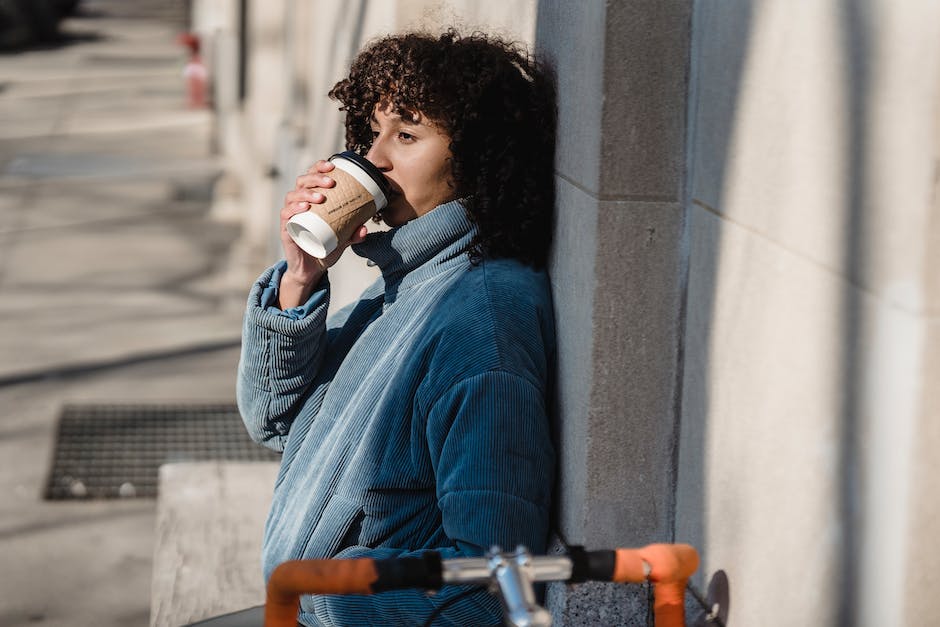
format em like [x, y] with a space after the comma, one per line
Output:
[281, 353]
[490, 448]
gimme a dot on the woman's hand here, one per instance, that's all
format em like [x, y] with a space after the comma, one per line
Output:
[305, 271]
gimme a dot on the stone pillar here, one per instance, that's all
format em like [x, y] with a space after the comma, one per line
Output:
[618, 278]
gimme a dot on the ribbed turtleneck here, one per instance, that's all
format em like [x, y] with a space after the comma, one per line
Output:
[420, 248]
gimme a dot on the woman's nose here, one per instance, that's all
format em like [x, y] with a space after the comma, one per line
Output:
[377, 155]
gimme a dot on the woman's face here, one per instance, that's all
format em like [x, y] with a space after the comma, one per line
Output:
[414, 154]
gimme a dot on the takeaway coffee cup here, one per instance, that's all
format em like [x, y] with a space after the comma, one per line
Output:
[361, 191]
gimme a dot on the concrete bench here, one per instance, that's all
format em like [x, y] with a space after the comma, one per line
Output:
[207, 548]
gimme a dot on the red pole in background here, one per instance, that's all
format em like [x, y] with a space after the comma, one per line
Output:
[194, 72]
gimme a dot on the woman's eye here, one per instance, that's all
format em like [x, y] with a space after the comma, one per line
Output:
[405, 136]
[375, 134]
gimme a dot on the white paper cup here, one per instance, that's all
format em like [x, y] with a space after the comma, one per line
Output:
[361, 191]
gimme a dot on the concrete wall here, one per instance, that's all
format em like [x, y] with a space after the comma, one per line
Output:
[756, 286]
[924, 519]
[807, 420]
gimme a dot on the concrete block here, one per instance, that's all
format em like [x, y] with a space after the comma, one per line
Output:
[768, 152]
[646, 58]
[901, 103]
[572, 273]
[621, 94]
[887, 429]
[761, 446]
[721, 35]
[570, 37]
[637, 327]
[692, 487]
[207, 554]
[922, 554]
[820, 145]
[617, 298]
[792, 372]
[616, 382]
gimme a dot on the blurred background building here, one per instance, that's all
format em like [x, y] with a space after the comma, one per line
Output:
[745, 271]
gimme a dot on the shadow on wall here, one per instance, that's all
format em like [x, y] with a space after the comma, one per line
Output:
[857, 48]
[721, 39]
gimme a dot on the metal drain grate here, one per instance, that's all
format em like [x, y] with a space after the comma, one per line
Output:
[115, 451]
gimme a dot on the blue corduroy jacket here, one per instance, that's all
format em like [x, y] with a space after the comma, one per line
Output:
[414, 419]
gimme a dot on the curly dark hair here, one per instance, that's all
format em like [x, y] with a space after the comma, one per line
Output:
[496, 102]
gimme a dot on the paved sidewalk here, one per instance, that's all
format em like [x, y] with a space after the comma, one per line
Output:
[112, 288]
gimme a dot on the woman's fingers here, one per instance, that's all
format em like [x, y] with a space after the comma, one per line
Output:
[289, 210]
[322, 166]
[303, 196]
[309, 181]
[315, 176]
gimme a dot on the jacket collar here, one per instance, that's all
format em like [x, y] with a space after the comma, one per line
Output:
[422, 247]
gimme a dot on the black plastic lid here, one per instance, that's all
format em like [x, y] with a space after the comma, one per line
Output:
[368, 167]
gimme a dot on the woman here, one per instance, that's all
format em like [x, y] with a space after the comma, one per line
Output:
[415, 419]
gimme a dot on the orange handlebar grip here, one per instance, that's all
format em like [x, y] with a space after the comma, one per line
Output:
[670, 566]
[669, 604]
[670, 562]
[296, 577]
[628, 566]
[667, 562]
